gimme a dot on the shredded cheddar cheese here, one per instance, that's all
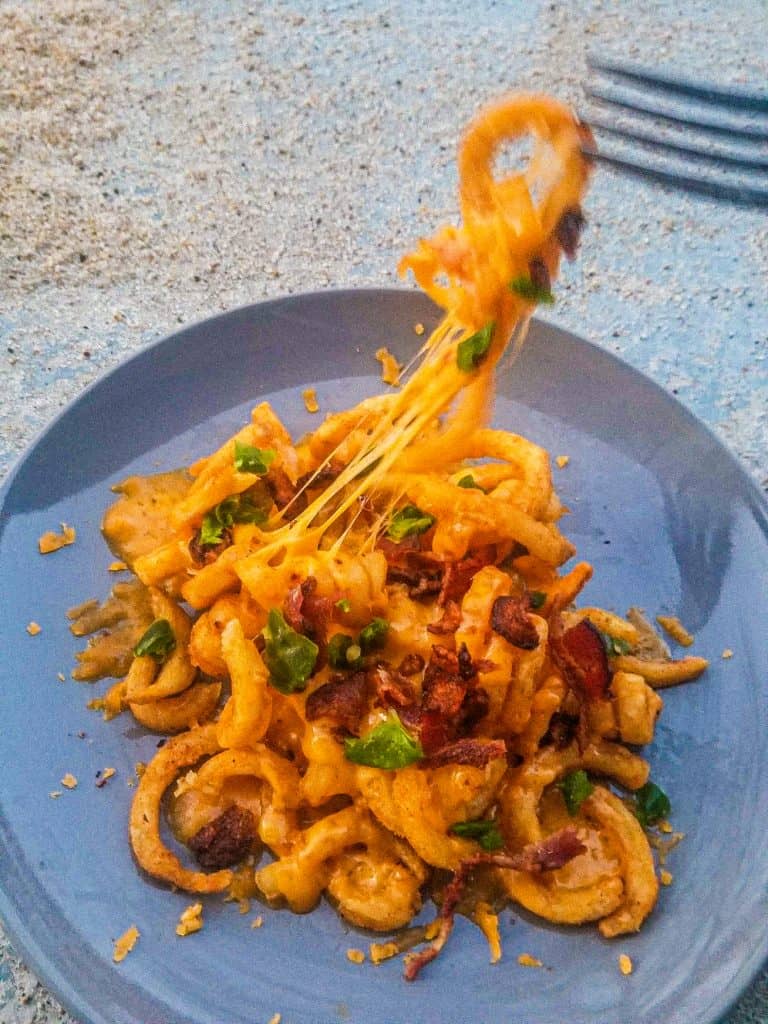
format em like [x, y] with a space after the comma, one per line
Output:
[488, 923]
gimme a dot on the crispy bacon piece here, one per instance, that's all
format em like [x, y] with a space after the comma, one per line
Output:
[467, 669]
[225, 840]
[390, 688]
[204, 554]
[547, 855]
[510, 619]
[581, 655]
[568, 230]
[320, 477]
[477, 753]
[307, 612]
[449, 622]
[411, 665]
[458, 575]
[539, 275]
[344, 699]
[283, 491]
[421, 571]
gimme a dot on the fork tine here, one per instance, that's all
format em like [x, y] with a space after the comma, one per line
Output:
[749, 132]
[739, 163]
[736, 99]
[741, 195]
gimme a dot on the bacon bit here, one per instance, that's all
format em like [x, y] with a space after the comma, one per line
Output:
[674, 628]
[257, 922]
[477, 753]
[310, 400]
[568, 230]
[116, 566]
[390, 689]
[625, 964]
[33, 628]
[225, 840]
[665, 877]
[449, 622]
[488, 923]
[421, 571]
[206, 554]
[411, 665]
[727, 653]
[191, 920]
[580, 653]
[418, 329]
[69, 781]
[125, 944]
[562, 461]
[555, 851]
[510, 619]
[344, 699]
[390, 368]
[357, 956]
[526, 960]
[459, 575]
[51, 541]
[282, 489]
[104, 777]
[307, 612]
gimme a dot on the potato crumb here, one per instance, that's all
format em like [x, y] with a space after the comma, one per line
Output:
[116, 566]
[665, 877]
[563, 460]
[674, 628]
[357, 956]
[526, 960]
[125, 944]
[727, 653]
[488, 923]
[379, 951]
[55, 794]
[390, 368]
[34, 628]
[69, 781]
[310, 400]
[625, 964]
[51, 541]
[275, 1018]
[61, 677]
[418, 329]
[191, 920]
[257, 922]
[104, 777]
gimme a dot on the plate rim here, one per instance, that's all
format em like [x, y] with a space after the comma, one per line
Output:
[22, 937]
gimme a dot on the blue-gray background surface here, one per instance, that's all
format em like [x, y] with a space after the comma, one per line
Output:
[162, 161]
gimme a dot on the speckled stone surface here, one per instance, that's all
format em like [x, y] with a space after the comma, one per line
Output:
[162, 161]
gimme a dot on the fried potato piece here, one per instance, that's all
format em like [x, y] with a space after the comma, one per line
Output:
[247, 714]
[172, 714]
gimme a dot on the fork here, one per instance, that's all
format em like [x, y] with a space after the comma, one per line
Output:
[693, 126]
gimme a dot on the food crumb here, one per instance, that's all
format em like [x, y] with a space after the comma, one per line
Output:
[665, 877]
[625, 964]
[61, 677]
[526, 960]
[275, 1018]
[666, 827]
[563, 460]
[418, 329]
[357, 956]
[69, 781]
[184, 783]
[727, 653]
[116, 566]
[379, 951]
[390, 368]
[191, 920]
[140, 767]
[104, 777]
[55, 794]
[674, 628]
[310, 400]
[244, 905]
[488, 923]
[51, 541]
[34, 628]
[257, 922]
[125, 944]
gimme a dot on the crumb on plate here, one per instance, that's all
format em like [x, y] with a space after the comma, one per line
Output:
[390, 368]
[125, 944]
[418, 329]
[191, 920]
[673, 627]
[625, 964]
[563, 460]
[310, 400]
[526, 960]
[357, 956]
[69, 781]
[33, 628]
[727, 653]
[116, 566]
[51, 541]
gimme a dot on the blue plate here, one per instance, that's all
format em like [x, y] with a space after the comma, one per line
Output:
[668, 519]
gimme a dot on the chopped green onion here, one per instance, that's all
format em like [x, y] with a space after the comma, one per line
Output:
[409, 522]
[575, 788]
[289, 656]
[339, 648]
[615, 645]
[343, 605]
[249, 459]
[158, 641]
[484, 831]
[373, 636]
[651, 804]
[471, 352]
[526, 289]
[468, 482]
[536, 598]
[389, 745]
[238, 508]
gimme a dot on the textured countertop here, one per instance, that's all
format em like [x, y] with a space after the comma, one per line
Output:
[162, 161]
